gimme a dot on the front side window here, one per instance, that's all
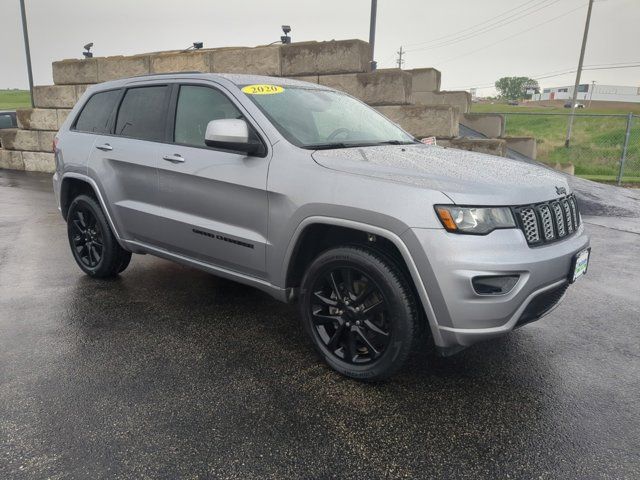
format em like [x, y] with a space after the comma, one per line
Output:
[95, 115]
[142, 113]
[197, 106]
[313, 118]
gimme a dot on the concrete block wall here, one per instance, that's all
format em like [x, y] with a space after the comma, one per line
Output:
[493, 126]
[411, 98]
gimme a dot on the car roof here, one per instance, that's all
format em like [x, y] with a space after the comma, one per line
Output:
[234, 78]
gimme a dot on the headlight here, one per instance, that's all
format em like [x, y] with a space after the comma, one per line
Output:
[478, 220]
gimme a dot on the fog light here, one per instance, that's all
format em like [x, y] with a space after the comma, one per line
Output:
[494, 285]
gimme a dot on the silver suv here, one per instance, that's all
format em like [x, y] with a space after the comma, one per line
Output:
[310, 195]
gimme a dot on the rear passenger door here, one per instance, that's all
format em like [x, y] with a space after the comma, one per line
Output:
[125, 161]
[214, 201]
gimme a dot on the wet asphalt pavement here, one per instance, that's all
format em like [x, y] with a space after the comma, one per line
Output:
[168, 372]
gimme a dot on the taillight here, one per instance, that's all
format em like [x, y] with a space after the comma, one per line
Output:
[55, 143]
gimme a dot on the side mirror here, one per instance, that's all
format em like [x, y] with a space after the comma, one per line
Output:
[231, 134]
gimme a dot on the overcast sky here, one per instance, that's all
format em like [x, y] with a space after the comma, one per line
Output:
[515, 37]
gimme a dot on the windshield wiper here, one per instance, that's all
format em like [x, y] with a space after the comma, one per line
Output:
[329, 146]
[395, 142]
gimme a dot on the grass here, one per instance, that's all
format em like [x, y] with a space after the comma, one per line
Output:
[12, 99]
[612, 178]
[596, 145]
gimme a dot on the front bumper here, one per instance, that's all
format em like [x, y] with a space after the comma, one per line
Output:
[447, 263]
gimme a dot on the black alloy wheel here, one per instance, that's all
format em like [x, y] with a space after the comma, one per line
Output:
[93, 245]
[87, 238]
[359, 311]
[350, 315]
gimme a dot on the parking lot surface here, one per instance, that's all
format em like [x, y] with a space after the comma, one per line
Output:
[169, 372]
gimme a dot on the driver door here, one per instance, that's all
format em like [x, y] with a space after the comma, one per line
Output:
[214, 202]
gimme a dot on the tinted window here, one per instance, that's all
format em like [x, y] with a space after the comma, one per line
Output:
[141, 114]
[197, 106]
[6, 121]
[95, 114]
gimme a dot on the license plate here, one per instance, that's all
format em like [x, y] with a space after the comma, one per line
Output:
[580, 264]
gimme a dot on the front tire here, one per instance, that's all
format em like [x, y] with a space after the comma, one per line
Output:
[359, 311]
[93, 245]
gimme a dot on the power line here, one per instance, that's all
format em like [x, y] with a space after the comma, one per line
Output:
[472, 26]
[563, 72]
[511, 36]
[488, 28]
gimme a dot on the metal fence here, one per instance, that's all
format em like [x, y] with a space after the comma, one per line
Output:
[603, 147]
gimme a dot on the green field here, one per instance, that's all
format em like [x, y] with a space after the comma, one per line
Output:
[12, 99]
[596, 145]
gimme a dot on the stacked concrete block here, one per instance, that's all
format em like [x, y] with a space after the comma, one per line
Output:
[523, 145]
[492, 146]
[11, 159]
[57, 96]
[41, 118]
[460, 99]
[423, 121]
[489, 124]
[383, 87]
[38, 162]
[425, 79]
[309, 58]
[73, 72]
[30, 150]
[256, 61]
[192, 61]
[15, 139]
[29, 161]
[113, 68]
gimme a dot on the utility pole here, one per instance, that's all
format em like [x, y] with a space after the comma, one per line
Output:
[400, 60]
[27, 51]
[578, 73]
[593, 87]
[372, 33]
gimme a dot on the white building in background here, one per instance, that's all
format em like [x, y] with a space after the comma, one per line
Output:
[589, 91]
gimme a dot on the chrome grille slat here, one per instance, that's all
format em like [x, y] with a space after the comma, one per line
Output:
[567, 215]
[530, 224]
[547, 222]
[574, 212]
[557, 210]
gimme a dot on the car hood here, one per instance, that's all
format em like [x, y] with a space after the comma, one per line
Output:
[468, 178]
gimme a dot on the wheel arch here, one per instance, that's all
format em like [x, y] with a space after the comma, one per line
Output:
[70, 188]
[317, 234]
[74, 184]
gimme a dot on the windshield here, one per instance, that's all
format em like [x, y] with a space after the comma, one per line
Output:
[317, 119]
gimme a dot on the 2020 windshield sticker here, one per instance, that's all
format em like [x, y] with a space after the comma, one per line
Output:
[262, 89]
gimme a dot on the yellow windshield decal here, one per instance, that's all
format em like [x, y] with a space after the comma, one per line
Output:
[262, 89]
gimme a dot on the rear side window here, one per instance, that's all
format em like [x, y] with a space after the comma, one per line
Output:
[141, 114]
[95, 114]
[197, 106]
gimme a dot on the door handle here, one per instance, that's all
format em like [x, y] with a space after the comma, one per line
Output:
[105, 147]
[175, 158]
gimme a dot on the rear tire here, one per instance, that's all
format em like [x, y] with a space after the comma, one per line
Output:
[359, 311]
[93, 245]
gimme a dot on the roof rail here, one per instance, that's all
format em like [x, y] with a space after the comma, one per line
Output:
[164, 73]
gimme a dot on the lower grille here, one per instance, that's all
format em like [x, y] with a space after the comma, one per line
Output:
[547, 222]
[542, 304]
